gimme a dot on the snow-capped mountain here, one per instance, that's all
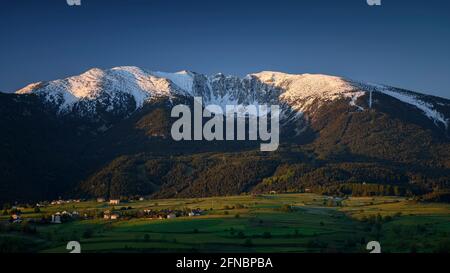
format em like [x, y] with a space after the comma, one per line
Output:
[302, 94]
[107, 133]
[107, 89]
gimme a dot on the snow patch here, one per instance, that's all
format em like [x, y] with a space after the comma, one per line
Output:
[411, 99]
[354, 97]
[183, 79]
[301, 93]
[95, 82]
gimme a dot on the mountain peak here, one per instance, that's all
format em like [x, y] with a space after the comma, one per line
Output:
[183, 79]
[96, 83]
[300, 91]
[304, 86]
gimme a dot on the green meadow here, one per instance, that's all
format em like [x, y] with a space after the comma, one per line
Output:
[263, 223]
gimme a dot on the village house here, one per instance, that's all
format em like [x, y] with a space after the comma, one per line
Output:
[108, 215]
[114, 201]
[171, 216]
[195, 212]
[56, 218]
[60, 202]
[16, 219]
[60, 217]
[100, 200]
[15, 216]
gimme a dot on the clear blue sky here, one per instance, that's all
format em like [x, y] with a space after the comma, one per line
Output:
[405, 43]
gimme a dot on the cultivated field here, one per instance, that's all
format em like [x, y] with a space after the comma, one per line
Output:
[263, 223]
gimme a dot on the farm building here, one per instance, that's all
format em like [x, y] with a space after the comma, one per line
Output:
[107, 215]
[114, 201]
[171, 216]
[56, 219]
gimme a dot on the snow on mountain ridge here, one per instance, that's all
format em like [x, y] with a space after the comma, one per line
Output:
[298, 91]
[409, 98]
[96, 82]
[183, 79]
[303, 89]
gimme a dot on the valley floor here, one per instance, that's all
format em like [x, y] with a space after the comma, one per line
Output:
[262, 223]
